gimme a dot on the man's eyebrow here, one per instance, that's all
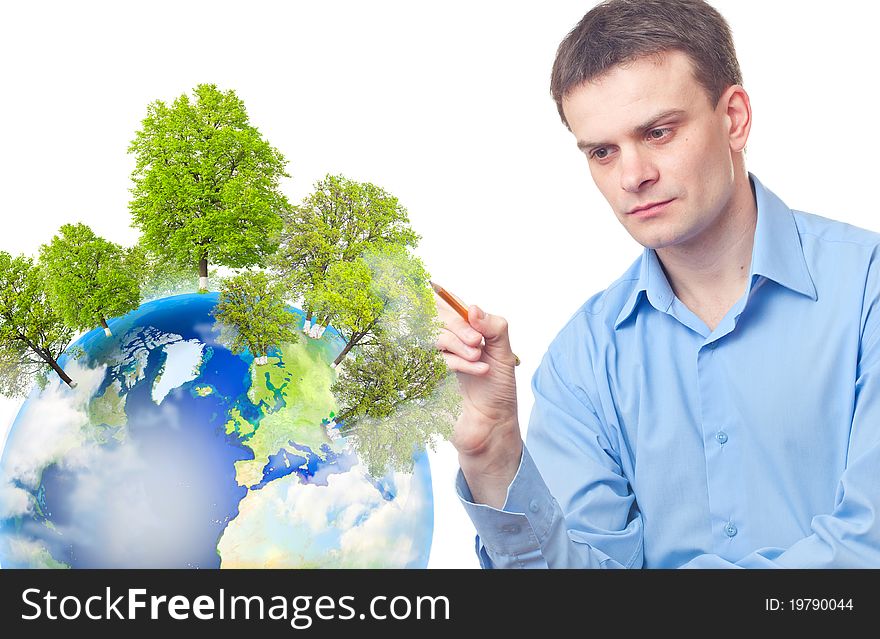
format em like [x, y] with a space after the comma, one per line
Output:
[584, 146]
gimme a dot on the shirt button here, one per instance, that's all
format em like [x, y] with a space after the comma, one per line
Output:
[533, 506]
[510, 528]
[721, 436]
[730, 530]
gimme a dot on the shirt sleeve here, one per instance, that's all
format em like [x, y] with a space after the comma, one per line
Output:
[578, 511]
[848, 537]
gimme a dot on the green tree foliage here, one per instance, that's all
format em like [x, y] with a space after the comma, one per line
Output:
[251, 303]
[394, 391]
[32, 335]
[346, 294]
[88, 278]
[336, 223]
[386, 288]
[395, 397]
[17, 371]
[206, 183]
[402, 282]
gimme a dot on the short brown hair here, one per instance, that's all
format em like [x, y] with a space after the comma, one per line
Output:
[620, 31]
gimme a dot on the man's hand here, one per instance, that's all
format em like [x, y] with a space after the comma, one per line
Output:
[487, 435]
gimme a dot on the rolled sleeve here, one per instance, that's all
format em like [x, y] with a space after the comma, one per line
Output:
[512, 537]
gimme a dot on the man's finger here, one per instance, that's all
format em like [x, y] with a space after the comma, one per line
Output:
[459, 365]
[450, 342]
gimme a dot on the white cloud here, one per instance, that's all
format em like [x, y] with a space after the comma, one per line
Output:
[120, 502]
[14, 501]
[52, 424]
[346, 523]
[347, 497]
[389, 531]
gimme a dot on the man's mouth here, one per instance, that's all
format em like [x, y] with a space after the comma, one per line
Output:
[651, 208]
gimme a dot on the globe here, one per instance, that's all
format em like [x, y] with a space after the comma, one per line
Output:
[172, 452]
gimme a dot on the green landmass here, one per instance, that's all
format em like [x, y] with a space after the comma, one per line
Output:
[107, 414]
[268, 382]
[293, 392]
[238, 424]
[34, 554]
[42, 559]
[108, 409]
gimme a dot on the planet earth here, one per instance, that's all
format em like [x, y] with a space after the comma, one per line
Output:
[172, 452]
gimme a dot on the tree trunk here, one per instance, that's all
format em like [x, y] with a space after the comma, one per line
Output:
[107, 331]
[345, 350]
[355, 338]
[203, 274]
[51, 361]
[46, 356]
[308, 324]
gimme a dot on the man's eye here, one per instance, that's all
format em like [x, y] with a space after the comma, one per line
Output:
[600, 153]
[657, 134]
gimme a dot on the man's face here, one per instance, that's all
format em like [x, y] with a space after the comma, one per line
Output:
[651, 135]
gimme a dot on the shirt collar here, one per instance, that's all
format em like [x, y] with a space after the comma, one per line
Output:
[777, 254]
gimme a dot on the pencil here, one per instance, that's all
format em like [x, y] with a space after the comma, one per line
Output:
[460, 308]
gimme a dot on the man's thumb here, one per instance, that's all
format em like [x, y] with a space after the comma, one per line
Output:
[492, 327]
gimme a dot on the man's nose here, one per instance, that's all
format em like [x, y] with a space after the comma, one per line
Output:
[636, 169]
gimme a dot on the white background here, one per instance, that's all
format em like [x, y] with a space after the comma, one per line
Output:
[446, 105]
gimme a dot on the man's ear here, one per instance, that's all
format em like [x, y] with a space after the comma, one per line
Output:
[738, 109]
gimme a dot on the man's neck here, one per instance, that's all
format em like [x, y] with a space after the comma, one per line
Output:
[710, 274]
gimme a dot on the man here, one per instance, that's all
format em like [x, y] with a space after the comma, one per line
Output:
[719, 404]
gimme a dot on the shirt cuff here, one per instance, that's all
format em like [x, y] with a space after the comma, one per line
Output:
[514, 534]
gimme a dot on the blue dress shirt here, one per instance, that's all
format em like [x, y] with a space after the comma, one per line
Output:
[655, 442]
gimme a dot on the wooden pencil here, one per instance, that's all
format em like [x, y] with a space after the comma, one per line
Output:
[460, 308]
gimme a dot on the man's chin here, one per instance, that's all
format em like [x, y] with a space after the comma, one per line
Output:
[651, 242]
[657, 244]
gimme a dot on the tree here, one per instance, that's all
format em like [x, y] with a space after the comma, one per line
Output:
[88, 278]
[206, 183]
[394, 390]
[252, 305]
[336, 223]
[386, 286]
[32, 335]
[394, 398]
